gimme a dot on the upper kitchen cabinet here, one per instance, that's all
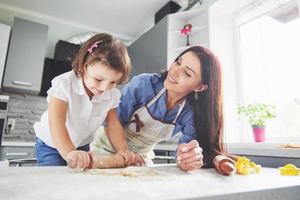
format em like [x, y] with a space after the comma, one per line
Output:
[4, 39]
[149, 52]
[25, 59]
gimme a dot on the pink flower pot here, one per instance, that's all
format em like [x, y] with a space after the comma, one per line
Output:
[259, 133]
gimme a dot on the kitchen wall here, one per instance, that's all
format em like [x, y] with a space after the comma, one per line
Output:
[25, 109]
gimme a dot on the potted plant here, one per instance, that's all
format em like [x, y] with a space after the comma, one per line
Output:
[257, 115]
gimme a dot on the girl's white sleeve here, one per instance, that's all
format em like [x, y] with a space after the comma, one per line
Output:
[59, 90]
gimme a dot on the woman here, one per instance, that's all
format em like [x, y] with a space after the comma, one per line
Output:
[186, 99]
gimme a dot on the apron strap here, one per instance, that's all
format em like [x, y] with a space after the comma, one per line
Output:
[179, 110]
[158, 95]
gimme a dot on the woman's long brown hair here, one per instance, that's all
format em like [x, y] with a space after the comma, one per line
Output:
[208, 108]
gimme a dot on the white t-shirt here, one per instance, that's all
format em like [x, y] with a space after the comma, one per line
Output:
[84, 116]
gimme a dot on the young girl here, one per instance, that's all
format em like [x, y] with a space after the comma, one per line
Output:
[80, 101]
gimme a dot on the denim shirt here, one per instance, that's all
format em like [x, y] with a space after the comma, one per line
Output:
[140, 90]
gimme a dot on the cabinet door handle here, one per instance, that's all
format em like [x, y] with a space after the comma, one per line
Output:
[17, 153]
[22, 83]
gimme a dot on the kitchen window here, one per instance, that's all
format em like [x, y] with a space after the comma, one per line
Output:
[269, 65]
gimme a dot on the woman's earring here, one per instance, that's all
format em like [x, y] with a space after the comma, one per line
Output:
[196, 95]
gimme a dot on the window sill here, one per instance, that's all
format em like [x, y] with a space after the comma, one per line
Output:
[263, 149]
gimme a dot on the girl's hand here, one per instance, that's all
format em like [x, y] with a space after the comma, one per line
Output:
[132, 158]
[78, 159]
[189, 156]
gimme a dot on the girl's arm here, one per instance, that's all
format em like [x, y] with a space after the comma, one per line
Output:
[115, 132]
[116, 136]
[57, 119]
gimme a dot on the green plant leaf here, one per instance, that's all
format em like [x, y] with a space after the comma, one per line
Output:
[257, 114]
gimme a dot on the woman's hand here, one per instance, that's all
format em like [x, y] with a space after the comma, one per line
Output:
[189, 156]
[132, 158]
[78, 159]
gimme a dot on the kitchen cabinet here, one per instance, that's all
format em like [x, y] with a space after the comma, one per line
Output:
[25, 59]
[149, 52]
[9, 152]
[4, 39]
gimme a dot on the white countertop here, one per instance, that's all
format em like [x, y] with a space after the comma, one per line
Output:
[169, 183]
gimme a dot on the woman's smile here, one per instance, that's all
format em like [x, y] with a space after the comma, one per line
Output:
[171, 79]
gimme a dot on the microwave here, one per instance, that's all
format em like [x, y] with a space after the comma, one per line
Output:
[3, 114]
